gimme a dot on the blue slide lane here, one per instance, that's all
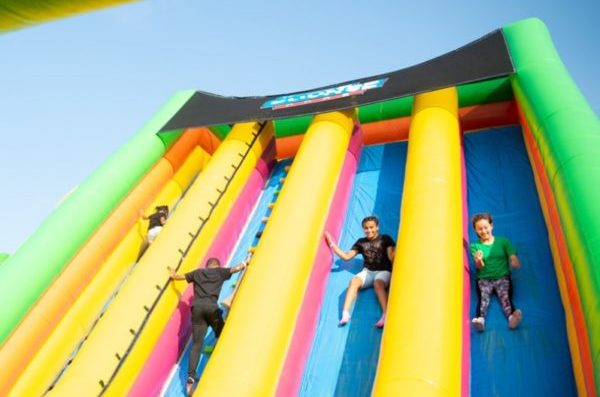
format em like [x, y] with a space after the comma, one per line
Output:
[177, 384]
[343, 360]
[533, 360]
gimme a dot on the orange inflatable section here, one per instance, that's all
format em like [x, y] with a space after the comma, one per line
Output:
[392, 130]
[490, 115]
[288, 146]
[206, 139]
[471, 118]
[20, 347]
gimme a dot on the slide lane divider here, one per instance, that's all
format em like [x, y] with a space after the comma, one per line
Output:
[252, 348]
[466, 321]
[422, 357]
[306, 322]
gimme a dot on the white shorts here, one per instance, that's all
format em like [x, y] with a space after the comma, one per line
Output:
[152, 233]
[368, 277]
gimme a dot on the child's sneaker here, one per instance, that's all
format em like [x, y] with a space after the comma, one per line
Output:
[478, 323]
[515, 319]
[381, 322]
[345, 318]
[189, 387]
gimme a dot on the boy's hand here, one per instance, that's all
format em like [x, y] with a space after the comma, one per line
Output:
[240, 266]
[246, 262]
[172, 273]
[514, 261]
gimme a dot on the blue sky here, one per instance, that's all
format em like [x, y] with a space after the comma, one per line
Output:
[73, 91]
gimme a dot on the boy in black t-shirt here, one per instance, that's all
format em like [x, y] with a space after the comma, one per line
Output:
[205, 310]
[378, 253]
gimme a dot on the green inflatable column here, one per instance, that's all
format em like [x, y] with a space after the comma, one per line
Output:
[567, 133]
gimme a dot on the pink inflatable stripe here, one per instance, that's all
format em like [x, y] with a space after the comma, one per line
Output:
[291, 375]
[178, 330]
[466, 345]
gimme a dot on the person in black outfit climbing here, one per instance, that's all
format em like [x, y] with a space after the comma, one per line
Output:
[205, 309]
[378, 254]
[156, 221]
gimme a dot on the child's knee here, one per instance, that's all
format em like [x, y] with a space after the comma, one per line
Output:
[356, 282]
[379, 285]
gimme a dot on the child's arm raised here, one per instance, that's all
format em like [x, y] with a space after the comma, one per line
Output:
[240, 267]
[174, 275]
[346, 256]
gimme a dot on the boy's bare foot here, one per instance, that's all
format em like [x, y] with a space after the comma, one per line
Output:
[381, 322]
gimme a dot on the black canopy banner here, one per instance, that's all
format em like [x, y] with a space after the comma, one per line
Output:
[482, 59]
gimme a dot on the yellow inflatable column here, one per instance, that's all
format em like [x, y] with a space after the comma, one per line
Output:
[20, 14]
[115, 351]
[251, 351]
[51, 356]
[422, 339]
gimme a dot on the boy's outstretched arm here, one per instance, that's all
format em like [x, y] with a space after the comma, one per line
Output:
[174, 275]
[514, 261]
[241, 266]
[346, 256]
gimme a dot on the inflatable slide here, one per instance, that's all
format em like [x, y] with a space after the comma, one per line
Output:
[495, 126]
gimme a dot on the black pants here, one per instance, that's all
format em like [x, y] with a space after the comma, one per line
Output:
[203, 315]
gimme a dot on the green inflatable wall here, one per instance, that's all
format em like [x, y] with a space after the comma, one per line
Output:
[567, 133]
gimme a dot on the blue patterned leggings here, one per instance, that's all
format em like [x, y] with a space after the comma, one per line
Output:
[503, 288]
